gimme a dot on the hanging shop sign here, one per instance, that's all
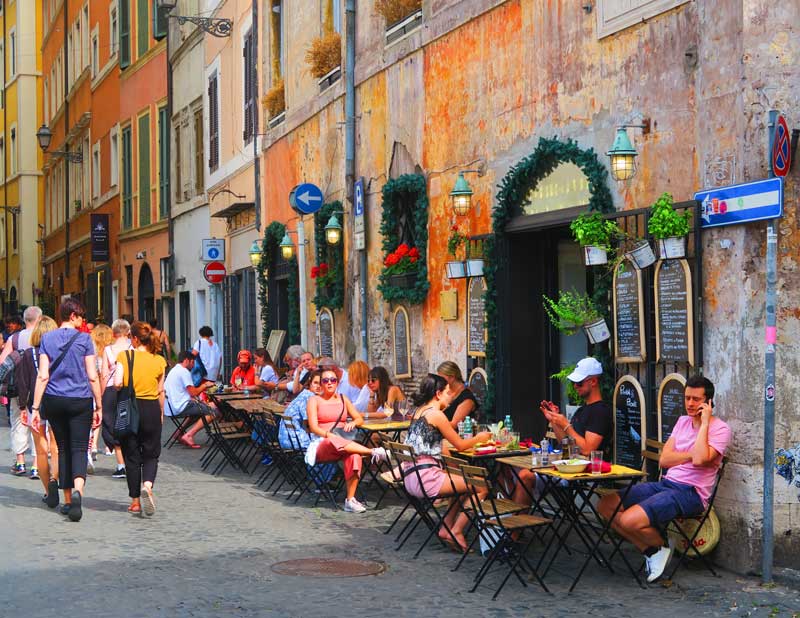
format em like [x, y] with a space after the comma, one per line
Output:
[478, 383]
[565, 187]
[630, 422]
[674, 322]
[628, 315]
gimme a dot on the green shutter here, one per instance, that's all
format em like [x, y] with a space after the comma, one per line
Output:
[127, 179]
[142, 27]
[163, 164]
[124, 33]
[159, 22]
[144, 170]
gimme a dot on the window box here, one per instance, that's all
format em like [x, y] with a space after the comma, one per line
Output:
[274, 122]
[399, 29]
[330, 78]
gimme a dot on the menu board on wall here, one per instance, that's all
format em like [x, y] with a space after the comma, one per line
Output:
[670, 404]
[628, 315]
[325, 338]
[476, 317]
[674, 317]
[630, 424]
[401, 343]
[478, 383]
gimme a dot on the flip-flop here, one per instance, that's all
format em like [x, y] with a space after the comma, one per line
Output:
[135, 509]
[453, 545]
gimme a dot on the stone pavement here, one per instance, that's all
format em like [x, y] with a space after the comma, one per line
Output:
[209, 548]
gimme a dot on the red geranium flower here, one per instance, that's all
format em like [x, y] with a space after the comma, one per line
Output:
[402, 250]
[314, 272]
[413, 259]
[414, 253]
[323, 268]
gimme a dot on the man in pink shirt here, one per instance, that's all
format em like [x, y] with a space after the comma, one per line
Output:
[692, 457]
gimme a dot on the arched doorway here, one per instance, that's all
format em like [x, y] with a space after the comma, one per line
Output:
[147, 300]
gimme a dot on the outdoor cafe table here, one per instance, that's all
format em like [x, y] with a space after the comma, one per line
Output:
[490, 460]
[394, 428]
[573, 493]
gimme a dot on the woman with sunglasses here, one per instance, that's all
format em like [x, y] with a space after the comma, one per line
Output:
[329, 413]
[383, 394]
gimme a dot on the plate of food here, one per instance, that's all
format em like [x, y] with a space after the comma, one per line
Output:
[486, 449]
[571, 466]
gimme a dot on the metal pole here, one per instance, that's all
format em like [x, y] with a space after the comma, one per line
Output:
[6, 285]
[301, 265]
[769, 383]
[66, 146]
[254, 90]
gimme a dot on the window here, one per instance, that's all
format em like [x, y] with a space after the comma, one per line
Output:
[70, 64]
[249, 78]
[213, 122]
[128, 271]
[85, 59]
[159, 22]
[336, 11]
[2, 160]
[163, 164]
[127, 180]
[143, 138]
[113, 29]
[114, 157]
[142, 27]
[178, 162]
[124, 33]
[616, 15]
[13, 42]
[13, 151]
[276, 38]
[46, 101]
[14, 232]
[199, 168]
[96, 170]
[95, 54]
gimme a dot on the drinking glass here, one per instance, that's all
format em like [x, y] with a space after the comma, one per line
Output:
[238, 381]
[597, 462]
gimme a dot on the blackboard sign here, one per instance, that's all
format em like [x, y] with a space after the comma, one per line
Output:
[479, 385]
[630, 425]
[670, 404]
[325, 339]
[402, 343]
[476, 317]
[674, 321]
[628, 315]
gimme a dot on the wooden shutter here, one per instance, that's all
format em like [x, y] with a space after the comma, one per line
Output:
[127, 179]
[163, 164]
[159, 22]
[199, 168]
[178, 155]
[144, 170]
[213, 124]
[248, 86]
[142, 27]
[124, 33]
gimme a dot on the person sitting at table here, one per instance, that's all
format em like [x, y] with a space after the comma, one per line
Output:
[355, 385]
[286, 386]
[464, 403]
[330, 412]
[298, 411]
[244, 374]
[429, 427]
[266, 373]
[181, 392]
[383, 394]
[592, 425]
[692, 456]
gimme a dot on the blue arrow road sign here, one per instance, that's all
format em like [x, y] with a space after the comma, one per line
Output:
[358, 193]
[752, 201]
[306, 198]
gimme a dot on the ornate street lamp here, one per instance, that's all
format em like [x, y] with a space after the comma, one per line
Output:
[287, 248]
[623, 154]
[44, 136]
[255, 253]
[333, 231]
[461, 195]
[212, 25]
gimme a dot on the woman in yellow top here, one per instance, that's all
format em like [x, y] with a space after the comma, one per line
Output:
[141, 451]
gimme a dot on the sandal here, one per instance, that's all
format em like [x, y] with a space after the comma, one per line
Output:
[135, 508]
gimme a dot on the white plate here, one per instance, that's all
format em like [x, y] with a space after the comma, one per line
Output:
[562, 465]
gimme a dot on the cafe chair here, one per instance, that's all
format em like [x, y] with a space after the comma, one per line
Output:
[507, 529]
[282, 468]
[181, 423]
[305, 478]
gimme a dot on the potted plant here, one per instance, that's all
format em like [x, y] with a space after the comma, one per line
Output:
[594, 234]
[456, 269]
[573, 311]
[324, 55]
[639, 252]
[402, 265]
[574, 400]
[668, 227]
[325, 278]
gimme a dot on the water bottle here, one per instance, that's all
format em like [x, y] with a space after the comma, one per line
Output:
[467, 428]
[507, 424]
[461, 428]
[545, 457]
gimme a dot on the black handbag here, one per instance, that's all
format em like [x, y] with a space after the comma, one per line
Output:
[127, 422]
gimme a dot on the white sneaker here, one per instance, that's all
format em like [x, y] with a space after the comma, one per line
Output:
[656, 563]
[354, 506]
[379, 455]
[89, 466]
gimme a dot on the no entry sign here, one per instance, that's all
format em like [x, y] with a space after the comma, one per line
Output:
[214, 272]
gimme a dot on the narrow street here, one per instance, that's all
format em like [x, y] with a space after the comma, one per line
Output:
[210, 547]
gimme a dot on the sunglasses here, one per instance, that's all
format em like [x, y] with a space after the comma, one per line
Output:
[373, 380]
[329, 380]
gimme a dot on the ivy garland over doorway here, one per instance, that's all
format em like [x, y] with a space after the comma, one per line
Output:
[332, 255]
[514, 189]
[269, 245]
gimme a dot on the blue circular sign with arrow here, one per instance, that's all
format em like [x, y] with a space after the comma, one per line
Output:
[306, 199]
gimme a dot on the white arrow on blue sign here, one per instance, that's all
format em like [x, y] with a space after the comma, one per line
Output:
[752, 201]
[306, 198]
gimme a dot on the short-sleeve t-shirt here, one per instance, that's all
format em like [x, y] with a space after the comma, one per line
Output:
[178, 378]
[598, 418]
[702, 478]
[70, 378]
[147, 371]
[268, 374]
[248, 376]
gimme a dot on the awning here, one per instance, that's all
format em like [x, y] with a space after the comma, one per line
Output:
[234, 209]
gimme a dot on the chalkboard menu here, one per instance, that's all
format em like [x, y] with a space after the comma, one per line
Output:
[325, 339]
[479, 385]
[674, 321]
[476, 317]
[630, 425]
[670, 404]
[628, 315]
[402, 343]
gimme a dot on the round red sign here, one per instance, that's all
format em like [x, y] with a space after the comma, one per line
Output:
[781, 148]
[214, 272]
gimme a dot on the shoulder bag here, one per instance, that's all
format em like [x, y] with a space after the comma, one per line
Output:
[339, 431]
[199, 370]
[127, 422]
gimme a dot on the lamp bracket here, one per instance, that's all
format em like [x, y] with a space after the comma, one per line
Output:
[214, 26]
[645, 126]
[72, 157]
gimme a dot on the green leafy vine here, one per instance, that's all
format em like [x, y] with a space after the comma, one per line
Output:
[332, 255]
[269, 245]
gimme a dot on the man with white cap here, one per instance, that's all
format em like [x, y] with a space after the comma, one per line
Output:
[592, 425]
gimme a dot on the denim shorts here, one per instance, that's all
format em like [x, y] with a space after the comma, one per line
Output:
[665, 500]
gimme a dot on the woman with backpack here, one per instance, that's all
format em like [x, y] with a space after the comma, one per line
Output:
[121, 329]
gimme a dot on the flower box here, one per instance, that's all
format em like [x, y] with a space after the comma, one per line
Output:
[672, 248]
[641, 255]
[399, 29]
[330, 78]
[404, 280]
[594, 256]
[597, 331]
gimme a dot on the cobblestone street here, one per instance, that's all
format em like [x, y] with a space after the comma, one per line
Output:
[209, 549]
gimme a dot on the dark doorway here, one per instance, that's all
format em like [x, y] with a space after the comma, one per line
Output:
[278, 299]
[147, 301]
[185, 309]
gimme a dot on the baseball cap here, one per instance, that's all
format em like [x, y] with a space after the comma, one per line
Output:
[244, 355]
[586, 368]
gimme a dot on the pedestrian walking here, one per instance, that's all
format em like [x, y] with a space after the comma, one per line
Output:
[121, 329]
[142, 449]
[102, 337]
[208, 351]
[66, 383]
[166, 344]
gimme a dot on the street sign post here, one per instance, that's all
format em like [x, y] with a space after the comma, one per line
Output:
[212, 249]
[781, 148]
[359, 233]
[306, 199]
[752, 201]
[214, 272]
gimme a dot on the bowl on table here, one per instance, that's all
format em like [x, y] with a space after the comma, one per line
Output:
[571, 466]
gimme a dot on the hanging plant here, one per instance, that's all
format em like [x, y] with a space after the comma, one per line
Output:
[413, 288]
[330, 284]
[270, 243]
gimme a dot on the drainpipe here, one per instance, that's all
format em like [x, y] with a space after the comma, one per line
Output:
[254, 90]
[350, 152]
[7, 286]
[66, 145]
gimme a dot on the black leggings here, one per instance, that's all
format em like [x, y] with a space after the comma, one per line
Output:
[71, 421]
[109, 416]
[141, 452]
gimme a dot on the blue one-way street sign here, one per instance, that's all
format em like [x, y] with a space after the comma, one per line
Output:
[306, 198]
[752, 201]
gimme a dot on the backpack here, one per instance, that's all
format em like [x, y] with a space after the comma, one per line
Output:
[8, 383]
[199, 369]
